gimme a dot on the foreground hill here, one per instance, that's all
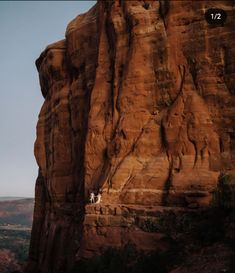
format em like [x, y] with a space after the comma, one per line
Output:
[8, 262]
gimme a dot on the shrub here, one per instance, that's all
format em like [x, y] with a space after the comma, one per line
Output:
[146, 5]
[124, 260]
[150, 225]
[224, 196]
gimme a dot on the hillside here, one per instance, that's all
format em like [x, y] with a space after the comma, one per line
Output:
[15, 230]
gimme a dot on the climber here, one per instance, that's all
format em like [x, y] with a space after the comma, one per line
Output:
[92, 197]
[98, 198]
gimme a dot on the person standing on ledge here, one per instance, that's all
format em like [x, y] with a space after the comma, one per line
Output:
[92, 197]
[98, 198]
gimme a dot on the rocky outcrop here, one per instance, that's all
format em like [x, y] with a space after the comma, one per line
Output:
[139, 104]
[115, 226]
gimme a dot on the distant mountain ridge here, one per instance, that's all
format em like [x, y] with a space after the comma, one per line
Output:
[12, 198]
[16, 211]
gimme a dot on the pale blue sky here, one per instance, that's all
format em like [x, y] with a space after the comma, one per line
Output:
[26, 28]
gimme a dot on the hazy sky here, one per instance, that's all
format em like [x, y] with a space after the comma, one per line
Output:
[26, 28]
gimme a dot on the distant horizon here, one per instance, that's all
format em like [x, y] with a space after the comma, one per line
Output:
[13, 196]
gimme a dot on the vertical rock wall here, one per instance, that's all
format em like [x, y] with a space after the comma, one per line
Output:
[139, 104]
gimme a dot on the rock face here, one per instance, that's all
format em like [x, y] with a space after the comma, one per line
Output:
[139, 104]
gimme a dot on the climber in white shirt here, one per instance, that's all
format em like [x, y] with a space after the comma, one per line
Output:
[92, 197]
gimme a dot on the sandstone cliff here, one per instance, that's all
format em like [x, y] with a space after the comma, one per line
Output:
[139, 104]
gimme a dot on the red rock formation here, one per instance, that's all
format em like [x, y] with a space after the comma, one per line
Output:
[139, 104]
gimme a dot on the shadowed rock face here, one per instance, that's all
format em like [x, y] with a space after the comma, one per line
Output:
[139, 103]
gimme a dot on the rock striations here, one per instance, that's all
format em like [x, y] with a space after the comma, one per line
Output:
[139, 105]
